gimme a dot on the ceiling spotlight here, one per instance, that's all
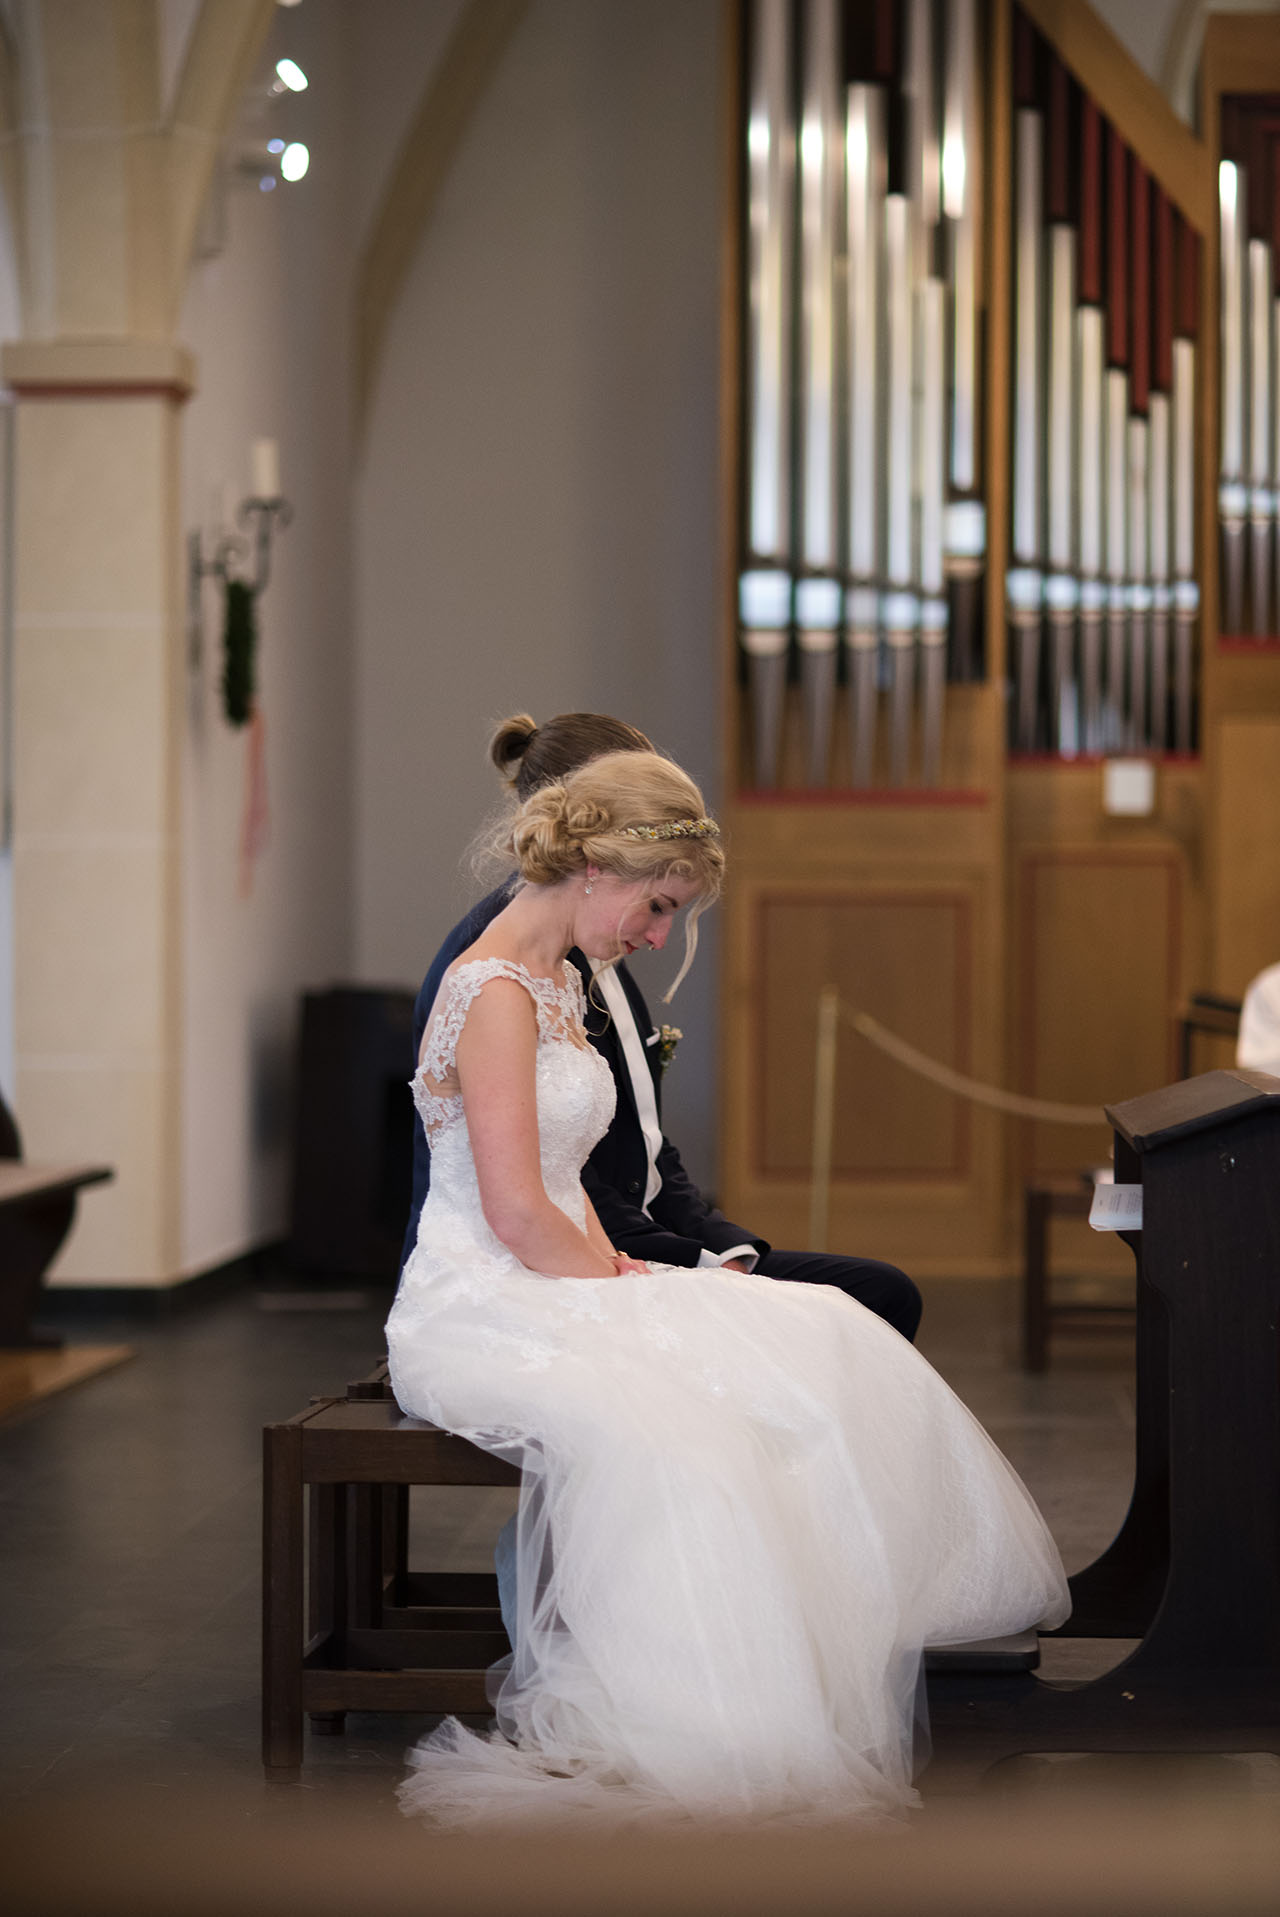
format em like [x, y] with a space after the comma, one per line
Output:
[275, 146]
[294, 161]
[267, 184]
[292, 75]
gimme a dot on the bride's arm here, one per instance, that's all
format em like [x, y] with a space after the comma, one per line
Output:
[496, 1058]
[600, 1239]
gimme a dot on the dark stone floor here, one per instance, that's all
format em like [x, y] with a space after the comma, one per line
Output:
[129, 1509]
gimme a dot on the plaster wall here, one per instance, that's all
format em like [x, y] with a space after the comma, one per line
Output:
[266, 319]
[535, 513]
[10, 327]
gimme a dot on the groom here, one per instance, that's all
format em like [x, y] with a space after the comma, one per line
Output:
[647, 1203]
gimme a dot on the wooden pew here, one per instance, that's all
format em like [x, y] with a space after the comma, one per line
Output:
[1194, 1571]
[374, 1637]
[37, 1206]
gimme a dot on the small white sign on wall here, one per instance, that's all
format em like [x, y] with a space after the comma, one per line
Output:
[1129, 788]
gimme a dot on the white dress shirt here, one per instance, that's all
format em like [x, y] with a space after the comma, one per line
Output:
[613, 992]
[1258, 1046]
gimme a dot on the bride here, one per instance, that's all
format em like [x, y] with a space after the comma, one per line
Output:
[747, 1505]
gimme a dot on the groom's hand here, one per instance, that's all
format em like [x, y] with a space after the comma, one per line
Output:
[735, 1264]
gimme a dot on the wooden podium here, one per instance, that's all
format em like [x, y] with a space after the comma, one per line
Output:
[1195, 1569]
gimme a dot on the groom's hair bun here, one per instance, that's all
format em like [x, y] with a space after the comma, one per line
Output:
[529, 755]
[511, 741]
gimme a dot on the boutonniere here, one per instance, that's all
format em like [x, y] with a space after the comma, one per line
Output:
[666, 1038]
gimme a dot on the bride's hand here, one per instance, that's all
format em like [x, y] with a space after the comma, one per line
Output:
[623, 1264]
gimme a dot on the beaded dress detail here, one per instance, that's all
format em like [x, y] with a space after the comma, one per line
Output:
[747, 1505]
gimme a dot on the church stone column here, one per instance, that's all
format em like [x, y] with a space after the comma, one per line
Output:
[104, 179]
[97, 696]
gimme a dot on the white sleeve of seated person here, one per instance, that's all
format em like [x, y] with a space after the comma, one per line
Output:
[615, 998]
[1258, 1046]
[713, 1260]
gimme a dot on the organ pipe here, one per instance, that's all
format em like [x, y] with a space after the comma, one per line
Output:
[1024, 584]
[765, 589]
[863, 528]
[865, 169]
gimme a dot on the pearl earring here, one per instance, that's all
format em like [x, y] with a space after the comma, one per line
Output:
[587, 888]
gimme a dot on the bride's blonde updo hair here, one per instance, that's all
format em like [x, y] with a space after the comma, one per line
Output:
[613, 813]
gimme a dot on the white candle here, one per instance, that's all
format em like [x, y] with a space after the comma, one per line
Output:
[266, 469]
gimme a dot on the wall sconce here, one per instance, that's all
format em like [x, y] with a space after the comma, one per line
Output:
[244, 556]
[268, 162]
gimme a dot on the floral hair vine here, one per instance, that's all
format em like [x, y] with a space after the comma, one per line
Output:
[673, 829]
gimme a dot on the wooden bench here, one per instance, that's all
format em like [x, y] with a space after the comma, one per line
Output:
[360, 1632]
[37, 1206]
[1069, 1195]
[1055, 1195]
[369, 1635]
[1194, 1571]
[1208, 1013]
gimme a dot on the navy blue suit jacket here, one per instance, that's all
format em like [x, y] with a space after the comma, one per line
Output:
[680, 1223]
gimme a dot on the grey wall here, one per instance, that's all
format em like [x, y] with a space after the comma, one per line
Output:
[536, 500]
[266, 317]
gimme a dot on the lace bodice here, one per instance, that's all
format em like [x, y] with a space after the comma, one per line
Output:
[575, 1099]
[559, 1010]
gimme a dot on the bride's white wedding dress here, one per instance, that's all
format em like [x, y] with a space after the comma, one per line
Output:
[747, 1504]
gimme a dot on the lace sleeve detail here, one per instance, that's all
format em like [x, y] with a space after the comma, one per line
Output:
[461, 989]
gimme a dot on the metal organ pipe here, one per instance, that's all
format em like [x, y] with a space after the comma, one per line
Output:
[1273, 185]
[770, 151]
[1261, 457]
[1103, 430]
[1116, 469]
[864, 529]
[1090, 415]
[864, 213]
[1061, 588]
[863, 520]
[1159, 546]
[1139, 589]
[1186, 591]
[1024, 584]
[965, 526]
[821, 188]
[1249, 396]
[929, 445]
[900, 606]
[931, 454]
[765, 608]
[1232, 495]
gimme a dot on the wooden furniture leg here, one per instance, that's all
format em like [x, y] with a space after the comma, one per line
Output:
[326, 1580]
[282, 1581]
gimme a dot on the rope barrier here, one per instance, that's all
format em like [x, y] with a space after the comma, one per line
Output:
[991, 1095]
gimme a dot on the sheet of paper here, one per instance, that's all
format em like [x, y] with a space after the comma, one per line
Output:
[1116, 1208]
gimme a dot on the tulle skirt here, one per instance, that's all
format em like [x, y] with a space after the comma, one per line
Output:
[747, 1507]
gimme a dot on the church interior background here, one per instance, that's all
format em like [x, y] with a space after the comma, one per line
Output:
[496, 349]
[488, 333]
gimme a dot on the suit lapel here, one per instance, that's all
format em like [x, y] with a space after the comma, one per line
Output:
[644, 1025]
